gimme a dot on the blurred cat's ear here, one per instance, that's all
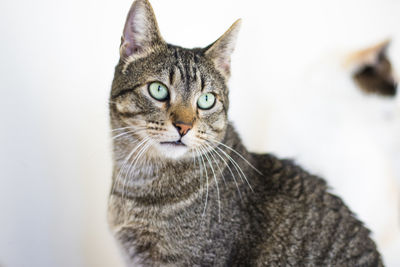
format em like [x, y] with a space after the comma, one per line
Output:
[141, 34]
[372, 70]
[220, 51]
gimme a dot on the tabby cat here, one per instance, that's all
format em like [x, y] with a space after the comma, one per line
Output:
[186, 192]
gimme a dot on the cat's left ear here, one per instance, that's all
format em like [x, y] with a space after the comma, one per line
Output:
[220, 51]
[141, 34]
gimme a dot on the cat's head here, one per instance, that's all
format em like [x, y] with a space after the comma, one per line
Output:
[172, 100]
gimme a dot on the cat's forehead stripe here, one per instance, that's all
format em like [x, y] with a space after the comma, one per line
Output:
[186, 63]
[171, 75]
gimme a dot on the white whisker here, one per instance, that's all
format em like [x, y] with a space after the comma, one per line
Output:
[212, 151]
[122, 128]
[200, 170]
[236, 166]
[123, 165]
[237, 153]
[205, 169]
[215, 179]
[128, 132]
[134, 162]
[229, 168]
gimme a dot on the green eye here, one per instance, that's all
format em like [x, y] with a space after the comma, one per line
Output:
[206, 101]
[158, 91]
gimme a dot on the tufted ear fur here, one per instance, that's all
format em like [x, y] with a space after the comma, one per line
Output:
[220, 51]
[141, 34]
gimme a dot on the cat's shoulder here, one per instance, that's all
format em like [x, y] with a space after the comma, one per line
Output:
[284, 176]
[286, 182]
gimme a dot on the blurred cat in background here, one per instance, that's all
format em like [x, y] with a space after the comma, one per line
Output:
[372, 70]
[346, 127]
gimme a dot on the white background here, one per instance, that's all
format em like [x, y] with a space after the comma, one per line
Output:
[57, 60]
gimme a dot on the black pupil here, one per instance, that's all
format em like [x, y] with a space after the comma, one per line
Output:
[206, 98]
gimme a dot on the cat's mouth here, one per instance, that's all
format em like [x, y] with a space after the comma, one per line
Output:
[173, 149]
[174, 143]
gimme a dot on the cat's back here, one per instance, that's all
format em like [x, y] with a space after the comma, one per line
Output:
[302, 223]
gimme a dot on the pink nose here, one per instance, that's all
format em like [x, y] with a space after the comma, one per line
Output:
[182, 127]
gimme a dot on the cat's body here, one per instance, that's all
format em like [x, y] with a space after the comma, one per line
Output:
[185, 190]
[287, 219]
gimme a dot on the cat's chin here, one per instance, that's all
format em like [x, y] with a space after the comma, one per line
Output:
[172, 150]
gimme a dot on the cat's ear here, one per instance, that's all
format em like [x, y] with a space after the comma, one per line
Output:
[220, 51]
[141, 34]
[371, 69]
[369, 56]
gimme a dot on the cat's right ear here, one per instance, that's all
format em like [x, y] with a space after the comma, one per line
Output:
[141, 34]
[371, 69]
